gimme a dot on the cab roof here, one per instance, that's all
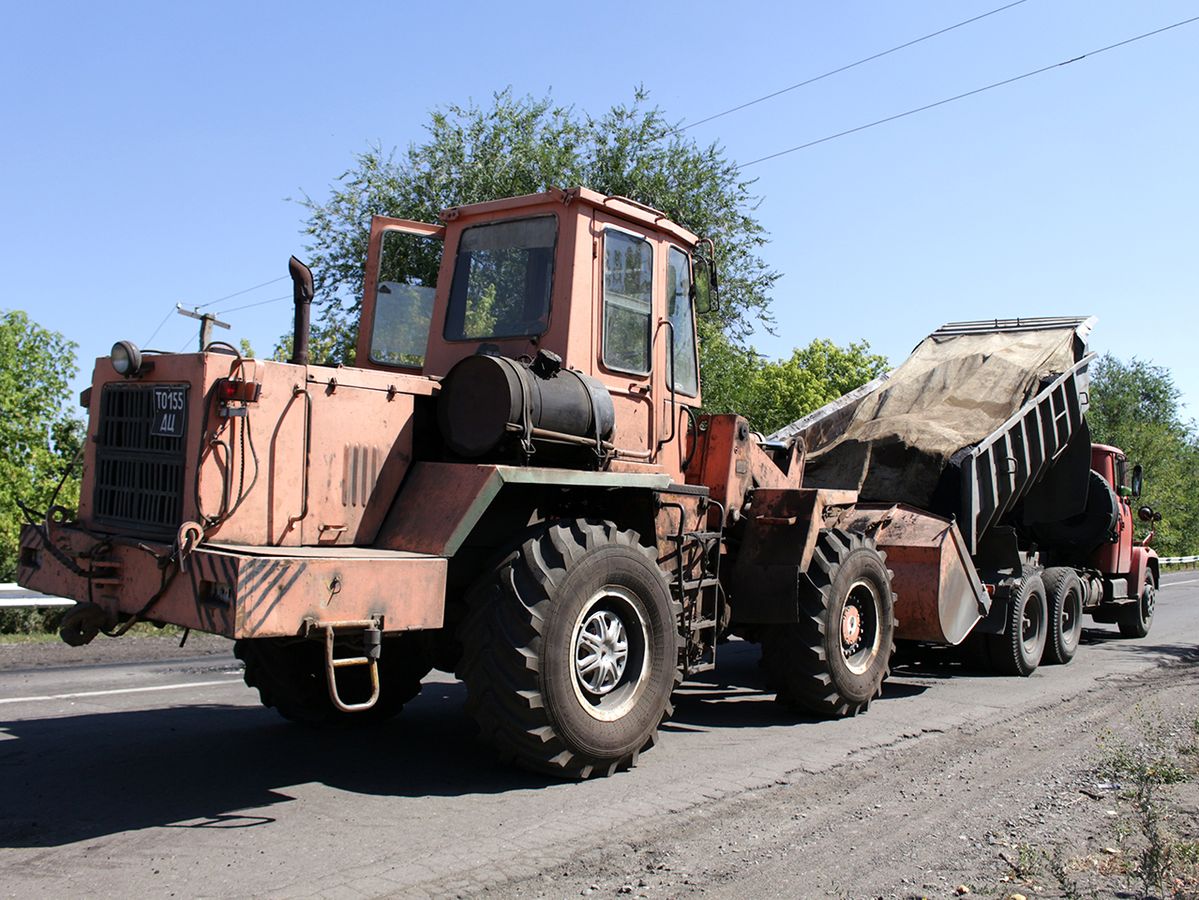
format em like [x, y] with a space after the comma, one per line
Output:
[625, 208]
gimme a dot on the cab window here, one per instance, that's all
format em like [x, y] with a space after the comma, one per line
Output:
[628, 301]
[680, 312]
[503, 276]
[407, 279]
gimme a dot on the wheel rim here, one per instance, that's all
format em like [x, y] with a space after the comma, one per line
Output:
[1148, 598]
[1071, 617]
[859, 626]
[601, 652]
[1030, 626]
[609, 662]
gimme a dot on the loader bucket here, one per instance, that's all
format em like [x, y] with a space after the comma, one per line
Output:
[938, 595]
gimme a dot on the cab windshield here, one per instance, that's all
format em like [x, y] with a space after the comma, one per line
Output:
[502, 280]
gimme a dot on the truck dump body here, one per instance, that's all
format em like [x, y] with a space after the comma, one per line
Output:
[967, 426]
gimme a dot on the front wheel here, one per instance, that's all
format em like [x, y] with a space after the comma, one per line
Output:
[833, 661]
[570, 650]
[1136, 618]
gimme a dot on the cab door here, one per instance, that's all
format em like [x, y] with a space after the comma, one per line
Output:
[625, 269]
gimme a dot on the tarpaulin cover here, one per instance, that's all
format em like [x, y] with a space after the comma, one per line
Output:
[953, 391]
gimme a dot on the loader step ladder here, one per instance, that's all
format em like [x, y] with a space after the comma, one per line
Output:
[372, 641]
[701, 616]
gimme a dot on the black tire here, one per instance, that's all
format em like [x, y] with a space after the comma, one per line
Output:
[1019, 649]
[834, 661]
[538, 693]
[1135, 619]
[1064, 596]
[289, 674]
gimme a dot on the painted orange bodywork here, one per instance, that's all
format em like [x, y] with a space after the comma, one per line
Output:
[1124, 565]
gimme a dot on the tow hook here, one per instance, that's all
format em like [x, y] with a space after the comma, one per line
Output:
[83, 622]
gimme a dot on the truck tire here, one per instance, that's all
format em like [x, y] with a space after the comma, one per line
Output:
[833, 661]
[289, 674]
[570, 650]
[1064, 593]
[1018, 650]
[1136, 618]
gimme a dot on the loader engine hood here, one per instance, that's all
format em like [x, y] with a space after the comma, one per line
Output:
[250, 451]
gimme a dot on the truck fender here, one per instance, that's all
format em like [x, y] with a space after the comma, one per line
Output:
[1144, 560]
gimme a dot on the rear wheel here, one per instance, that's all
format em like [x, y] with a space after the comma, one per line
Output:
[289, 674]
[1064, 592]
[570, 650]
[1018, 650]
[1136, 618]
[835, 659]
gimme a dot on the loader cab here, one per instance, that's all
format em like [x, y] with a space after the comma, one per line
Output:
[603, 282]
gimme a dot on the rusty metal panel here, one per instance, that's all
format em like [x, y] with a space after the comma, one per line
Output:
[360, 447]
[776, 550]
[441, 502]
[438, 506]
[240, 591]
[275, 594]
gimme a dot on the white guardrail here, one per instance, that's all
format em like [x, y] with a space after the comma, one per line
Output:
[13, 596]
[1178, 560]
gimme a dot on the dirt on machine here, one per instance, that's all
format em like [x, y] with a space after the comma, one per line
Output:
[514, 483]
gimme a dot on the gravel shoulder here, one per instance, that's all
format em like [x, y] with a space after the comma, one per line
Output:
[995, 810]
[128, 649]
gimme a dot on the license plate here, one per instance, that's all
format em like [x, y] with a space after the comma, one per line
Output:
[170, 412]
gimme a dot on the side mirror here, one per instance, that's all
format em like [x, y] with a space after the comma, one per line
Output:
[703, 288]
[1138, 480]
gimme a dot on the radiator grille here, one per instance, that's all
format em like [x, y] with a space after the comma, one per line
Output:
[139, 475]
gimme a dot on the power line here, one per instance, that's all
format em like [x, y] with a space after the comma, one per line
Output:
[844, 68]
[154, 334]
[252, 305]
[244, 291]
[1006, 81]
[159, 328]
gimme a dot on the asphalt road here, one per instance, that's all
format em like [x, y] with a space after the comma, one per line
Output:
[167, 778]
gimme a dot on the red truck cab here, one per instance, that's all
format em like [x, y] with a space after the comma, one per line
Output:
[1128, 569]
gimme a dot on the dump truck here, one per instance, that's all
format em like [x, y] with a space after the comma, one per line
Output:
[513, 482]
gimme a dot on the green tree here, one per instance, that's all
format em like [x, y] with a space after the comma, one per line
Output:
[526, 145]
[38, 437]
[772, 394]
[1137, 407]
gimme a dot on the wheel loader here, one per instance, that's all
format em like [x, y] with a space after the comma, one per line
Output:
[514, 482]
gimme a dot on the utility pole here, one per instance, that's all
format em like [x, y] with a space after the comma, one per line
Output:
[207, 320]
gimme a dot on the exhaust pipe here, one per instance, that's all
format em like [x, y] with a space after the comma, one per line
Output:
[302, 292]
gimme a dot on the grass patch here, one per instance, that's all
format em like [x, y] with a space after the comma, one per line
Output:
[1162, 751]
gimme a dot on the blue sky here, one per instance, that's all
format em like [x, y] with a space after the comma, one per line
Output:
[149, 151]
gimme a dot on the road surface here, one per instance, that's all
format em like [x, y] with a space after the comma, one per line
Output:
[167, 778]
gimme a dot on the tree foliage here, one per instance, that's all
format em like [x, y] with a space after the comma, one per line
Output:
[772, 394]
[1136, 406]
[38, 438]
[523, 145]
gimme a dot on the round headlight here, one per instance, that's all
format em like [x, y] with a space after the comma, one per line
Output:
[126, 358]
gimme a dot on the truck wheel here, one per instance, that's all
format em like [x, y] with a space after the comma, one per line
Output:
[570, 650]
[289, 674]
[1135, 618]
[835, 659]
[1063, 589]
[1019, 649]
